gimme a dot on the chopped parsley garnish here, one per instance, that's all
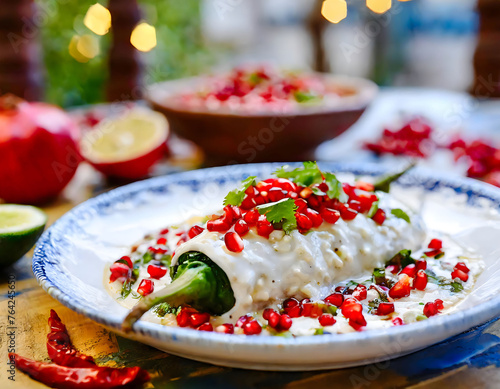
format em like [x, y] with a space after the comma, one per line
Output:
[235, 197]
[282, 211]
[401, 259]
[319, 331]
[401, 214]
[147, 257]
[304, 176]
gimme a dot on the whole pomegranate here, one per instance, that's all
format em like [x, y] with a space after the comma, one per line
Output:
[38, 150]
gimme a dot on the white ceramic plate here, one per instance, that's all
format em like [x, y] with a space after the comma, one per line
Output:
[70, 258]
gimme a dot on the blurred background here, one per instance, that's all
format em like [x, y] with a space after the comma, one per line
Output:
[421, 42]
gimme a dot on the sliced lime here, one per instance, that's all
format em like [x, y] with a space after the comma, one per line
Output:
[20, 228]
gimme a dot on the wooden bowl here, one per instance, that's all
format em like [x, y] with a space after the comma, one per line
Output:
[229, 137]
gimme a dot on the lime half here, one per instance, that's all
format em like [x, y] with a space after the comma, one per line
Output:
[20, 228]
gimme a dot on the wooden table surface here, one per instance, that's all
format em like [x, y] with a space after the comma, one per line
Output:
[471, 360]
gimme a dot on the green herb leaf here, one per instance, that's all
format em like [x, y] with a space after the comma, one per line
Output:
[335, 190]
[304, 176]
[456, 286]
[373, 209]
[402, 259]
[319, 331]
[236, 196]
[383, 184]
[379, 276]
[401, 214]
[166, 260]
[304, 97]
[282, 211]
[164, 308]
[147, 257]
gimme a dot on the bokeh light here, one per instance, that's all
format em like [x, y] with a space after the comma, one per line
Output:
[334, 10]
[143, 37]
[84, 48]
[379, 6]
[98, 19]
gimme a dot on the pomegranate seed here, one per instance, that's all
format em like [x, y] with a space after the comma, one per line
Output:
[196, 319]
[433, 253]
[274, 319]
[290, 303]
[439, 304]
[366, 202]
[241, 227]
[252, 327]
[360, 292]
[355, 205]
[301, 205]
[397, 321]
[267, 312]
[242, 320]
[119, 270]
[311, 310]
[347, 213]
[315, 217]
[233, 242]
[164, 231]
[435, 244]
[206, 327]
[285, 322]
[314, 201]
[252, 191]
[462, 267]
[366, 186]
[225, 328]
[248, 203]
[420, 281]
[402, 288]
[218, 225]
[460, 275]
[259, 200]
[379, 217]
[156, 271]
[335, 299]
[385, 309]
[276, 194]
[410, 270]
[294, 311]
[354, 312]
[264, 186]
[264, 228]
[326, 319]
[329, 215]
[127, 259]
[430, 309]
[421, 264]
[195, 231]
[145, 287]
[303, 222]
[285, 184]
[183, 317]
[251, 217]
[394, 269]
[161, 241]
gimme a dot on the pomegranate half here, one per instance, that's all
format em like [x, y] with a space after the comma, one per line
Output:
[127, 146]
[38, 150]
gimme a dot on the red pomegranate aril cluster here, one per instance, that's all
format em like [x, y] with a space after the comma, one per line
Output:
[190, 317]
[360, 293]
[412, 139]
[460, 271]
[119, 271]
[225, 328]
[280, 322]
[353, 311]
[433, 308]
[385, 309]
[336, 299]
[402, 288]
[327, 319]
[249, 325]
[435, 247]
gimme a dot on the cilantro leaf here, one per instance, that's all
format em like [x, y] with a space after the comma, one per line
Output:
[235, 197]
[401, 259]
[401, 214]
[304, 97]
[304, 176]
[335, 190]
[282, 211]
[162, 309]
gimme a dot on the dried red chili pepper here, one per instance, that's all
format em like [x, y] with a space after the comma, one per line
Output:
[60, 348]
[97, 377]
